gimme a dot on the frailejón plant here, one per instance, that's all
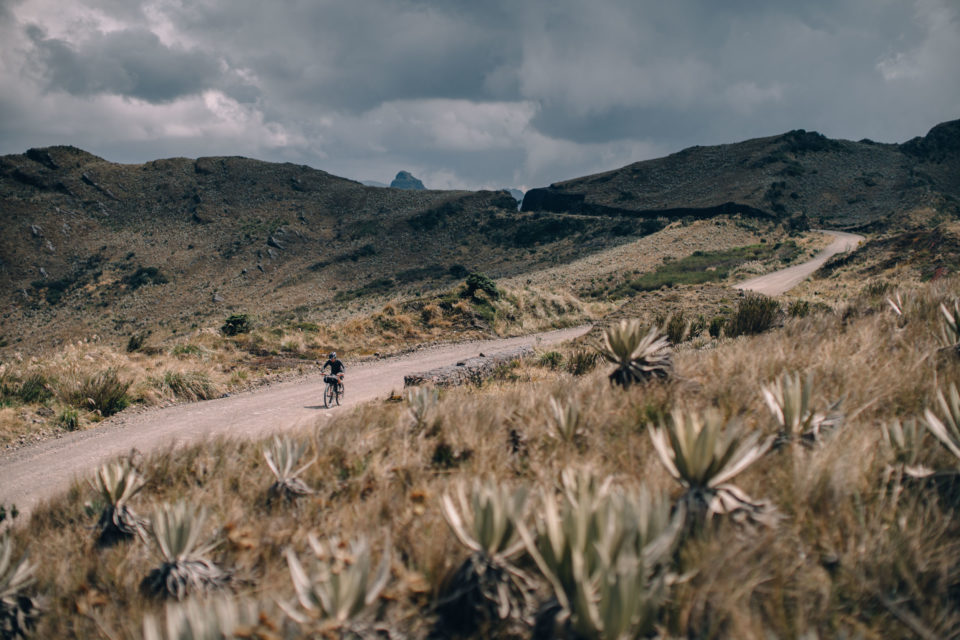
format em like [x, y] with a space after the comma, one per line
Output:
[904, 444]
[487, 587]
[789, 400]
[17, 609]
[338, 585]
[638, 355]
[950, 326]
[703, 452]
[282, 457]
[601, 550]
[564, 419]
[175, 532]
[947, 430]
[421, 403]
[117, 483]
[203, 619]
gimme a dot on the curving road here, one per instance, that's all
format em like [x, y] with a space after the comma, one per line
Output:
[31, 474]
[773, 284]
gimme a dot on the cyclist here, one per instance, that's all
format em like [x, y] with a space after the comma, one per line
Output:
[336, 367]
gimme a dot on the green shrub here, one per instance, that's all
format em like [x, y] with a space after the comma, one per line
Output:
[236, 324]
[676, 328]
[103, 392]
[192, 385]
[798, 309]
[552, 359]
[69, 419]
[582, 362]
[144, 275]
[35, 389]
[135, 343]
[755, 314]
[717, 323]
[480, 282]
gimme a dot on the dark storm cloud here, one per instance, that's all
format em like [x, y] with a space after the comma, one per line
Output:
[471, 93]
[132, 63]
[357, 55]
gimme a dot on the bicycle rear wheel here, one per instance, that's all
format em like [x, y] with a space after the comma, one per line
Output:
[329, 395]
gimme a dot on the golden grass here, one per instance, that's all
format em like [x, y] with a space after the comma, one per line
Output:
[207, 364]
[856, 549]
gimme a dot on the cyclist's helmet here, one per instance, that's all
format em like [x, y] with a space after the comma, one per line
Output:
[332, 355]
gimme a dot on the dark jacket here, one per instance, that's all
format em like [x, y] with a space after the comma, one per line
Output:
[335, 366]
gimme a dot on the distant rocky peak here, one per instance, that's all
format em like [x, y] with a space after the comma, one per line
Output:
[405, 180]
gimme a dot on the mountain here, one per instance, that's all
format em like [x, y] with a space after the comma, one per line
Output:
[405, 180]
[90, 247]
[373, 183]
[801, 176]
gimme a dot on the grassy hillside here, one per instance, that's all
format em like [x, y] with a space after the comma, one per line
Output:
[830, 535]
[801, 177]
[89, 247]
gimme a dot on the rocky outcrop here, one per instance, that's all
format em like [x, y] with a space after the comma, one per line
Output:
[465, 371]
[405, 180]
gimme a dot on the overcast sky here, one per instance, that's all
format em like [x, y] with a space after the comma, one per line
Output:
[467, 93]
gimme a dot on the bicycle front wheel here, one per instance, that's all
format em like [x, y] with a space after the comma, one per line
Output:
[339, 394]
[329, 395]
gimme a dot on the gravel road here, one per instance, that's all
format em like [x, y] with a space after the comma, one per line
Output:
[773, 284]
[31, 474]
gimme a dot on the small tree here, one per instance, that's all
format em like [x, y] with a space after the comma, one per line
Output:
[236, 324]
[480, 282]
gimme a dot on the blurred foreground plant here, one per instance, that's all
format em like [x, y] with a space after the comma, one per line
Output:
[18, 611]
[487, 587]
[947, 430]
[703, 452]
[789, 399]
[117, 483]
[175, 531]
[602, 551]
[339, 584]
[203, 619]
[282, 457]
[950, 327]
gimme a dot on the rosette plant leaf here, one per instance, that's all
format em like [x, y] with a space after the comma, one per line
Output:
[282, 457]
[175, 532]
[904, 443]
[703, 452]
[950, 327]
[422, 403]
[638, 354]
[602, 551]
[565, 419]
[18, 611]
[203, 619]
[789, 399]
[947, 430]
[487, 587]
[117, 483]
[336, 588]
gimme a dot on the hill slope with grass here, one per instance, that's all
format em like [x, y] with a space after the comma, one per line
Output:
[93, 247]
[801, 176]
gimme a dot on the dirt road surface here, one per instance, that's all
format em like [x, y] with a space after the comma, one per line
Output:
[773, 284]
[31, 474]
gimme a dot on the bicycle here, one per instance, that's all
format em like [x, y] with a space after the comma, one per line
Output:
[333, 392]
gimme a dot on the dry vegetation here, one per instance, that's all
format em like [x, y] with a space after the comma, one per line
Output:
[829, 536]
[84, 382]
